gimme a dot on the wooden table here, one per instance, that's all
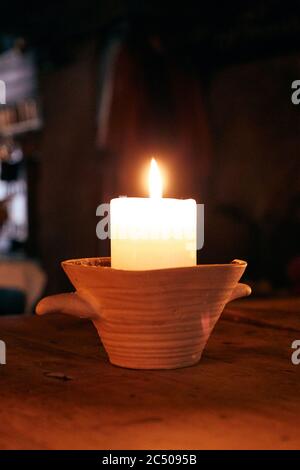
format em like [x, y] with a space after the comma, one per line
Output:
[58, 389]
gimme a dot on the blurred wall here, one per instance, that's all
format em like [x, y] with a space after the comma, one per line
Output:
[254, 197]
[232, 145]
[70, 177]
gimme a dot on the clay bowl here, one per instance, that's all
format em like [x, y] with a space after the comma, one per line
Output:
[158, 319]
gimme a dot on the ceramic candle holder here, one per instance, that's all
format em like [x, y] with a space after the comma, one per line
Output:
[156, 319]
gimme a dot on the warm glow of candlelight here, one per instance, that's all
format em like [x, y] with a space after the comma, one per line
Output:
[153, 232]
[155, 181]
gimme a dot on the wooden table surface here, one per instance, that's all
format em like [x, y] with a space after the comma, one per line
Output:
[59, 391]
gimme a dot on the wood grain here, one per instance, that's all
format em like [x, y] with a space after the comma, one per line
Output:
[59, 391]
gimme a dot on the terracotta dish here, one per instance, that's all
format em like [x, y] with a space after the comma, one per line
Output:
[157, 319]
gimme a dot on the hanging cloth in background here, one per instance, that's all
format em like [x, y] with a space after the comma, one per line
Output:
[150, 106]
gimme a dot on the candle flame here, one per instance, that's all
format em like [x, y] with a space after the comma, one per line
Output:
[155, 180]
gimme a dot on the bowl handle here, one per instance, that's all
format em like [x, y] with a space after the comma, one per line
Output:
[240, 290]
[68, 304]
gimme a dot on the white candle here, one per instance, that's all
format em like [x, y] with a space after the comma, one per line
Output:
[155, 232]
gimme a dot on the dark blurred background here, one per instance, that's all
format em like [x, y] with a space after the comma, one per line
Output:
[97, 87]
